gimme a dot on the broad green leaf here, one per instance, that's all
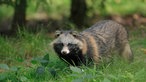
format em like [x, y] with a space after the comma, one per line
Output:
[76, 69]
[23, 79]
[78, 80]
[19, 59]
[106, 80]
[88, 76]
[4, 66]
[53, 72]
[44, 62]
[113, 77]
[14, 68]
[36, 60]
[40, 70]
[2, 76]
[46, 57]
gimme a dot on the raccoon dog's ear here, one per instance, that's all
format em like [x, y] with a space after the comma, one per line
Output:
[57, 33]
[74, 33]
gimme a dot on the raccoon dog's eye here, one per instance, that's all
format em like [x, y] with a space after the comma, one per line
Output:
[74, 33]
[71, 45]
[57, 33]
[60, 44]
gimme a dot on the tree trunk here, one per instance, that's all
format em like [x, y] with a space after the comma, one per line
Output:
[78, 12]
[102, 7]
[103, 4]
[19, 17]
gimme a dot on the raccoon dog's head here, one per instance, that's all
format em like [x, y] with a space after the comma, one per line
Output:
[67, 42]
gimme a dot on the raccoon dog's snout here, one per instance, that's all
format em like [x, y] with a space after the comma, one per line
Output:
[65, 50]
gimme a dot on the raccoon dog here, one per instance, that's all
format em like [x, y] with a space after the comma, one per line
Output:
[93, 43]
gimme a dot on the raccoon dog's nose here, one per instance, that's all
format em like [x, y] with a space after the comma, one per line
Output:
[64, 52]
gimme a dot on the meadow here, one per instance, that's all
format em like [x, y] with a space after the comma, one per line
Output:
[30, 58]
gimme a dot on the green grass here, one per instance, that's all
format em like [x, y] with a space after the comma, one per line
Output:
[29, 58]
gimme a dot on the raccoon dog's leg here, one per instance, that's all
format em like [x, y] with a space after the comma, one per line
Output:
[126, 52]
[124, 46]
[92, 50]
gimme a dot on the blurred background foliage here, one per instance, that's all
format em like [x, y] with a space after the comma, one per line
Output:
[68, 14]
[26, 28]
